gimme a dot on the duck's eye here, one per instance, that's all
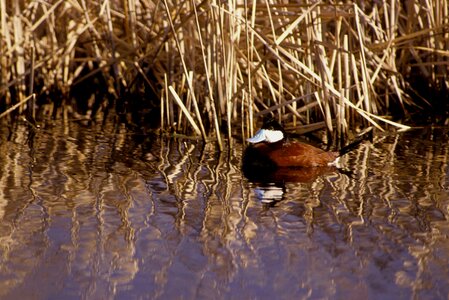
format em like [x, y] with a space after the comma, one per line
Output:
[271, 127]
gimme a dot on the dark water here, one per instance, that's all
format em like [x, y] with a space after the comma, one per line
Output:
[99, 213]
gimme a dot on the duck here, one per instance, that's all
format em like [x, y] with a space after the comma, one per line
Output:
[270, 148]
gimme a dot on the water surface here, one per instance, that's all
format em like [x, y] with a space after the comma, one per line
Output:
[101, 213]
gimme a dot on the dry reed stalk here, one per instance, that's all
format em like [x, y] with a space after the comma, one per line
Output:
[32, 113]
[185, 110]
[249, 51]
[167, 107]
[17, 105]
[366, 95]
[19, 41]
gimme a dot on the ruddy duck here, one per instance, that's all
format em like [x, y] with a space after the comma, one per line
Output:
[270, 149]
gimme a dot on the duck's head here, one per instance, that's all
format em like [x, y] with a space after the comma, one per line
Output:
[271, 132]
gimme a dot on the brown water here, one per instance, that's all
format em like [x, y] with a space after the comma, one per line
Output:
[99, 213]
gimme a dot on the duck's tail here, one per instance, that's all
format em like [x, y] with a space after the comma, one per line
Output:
[363, 136]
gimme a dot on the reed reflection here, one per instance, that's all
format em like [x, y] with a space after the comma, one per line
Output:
[103, 212]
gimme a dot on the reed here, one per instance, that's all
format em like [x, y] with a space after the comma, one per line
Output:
[213, 68]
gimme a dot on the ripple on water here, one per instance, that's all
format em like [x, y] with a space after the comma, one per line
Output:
[101, 213]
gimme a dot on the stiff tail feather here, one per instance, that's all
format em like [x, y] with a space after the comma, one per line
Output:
[363, 136]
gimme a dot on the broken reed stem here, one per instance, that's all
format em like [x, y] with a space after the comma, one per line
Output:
[17, 105]
[184, 110]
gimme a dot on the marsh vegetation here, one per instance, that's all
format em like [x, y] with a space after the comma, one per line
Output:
[212, 68]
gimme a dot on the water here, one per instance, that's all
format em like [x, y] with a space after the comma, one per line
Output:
[100, 213]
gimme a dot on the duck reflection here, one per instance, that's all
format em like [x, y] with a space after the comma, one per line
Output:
[270, 193]
[270, 183]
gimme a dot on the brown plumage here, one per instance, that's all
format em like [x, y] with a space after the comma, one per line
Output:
[291, 154]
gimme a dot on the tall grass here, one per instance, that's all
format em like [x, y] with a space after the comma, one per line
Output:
[212, 68]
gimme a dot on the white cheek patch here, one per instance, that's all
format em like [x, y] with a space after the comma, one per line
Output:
[264, 135]
[273, 136]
